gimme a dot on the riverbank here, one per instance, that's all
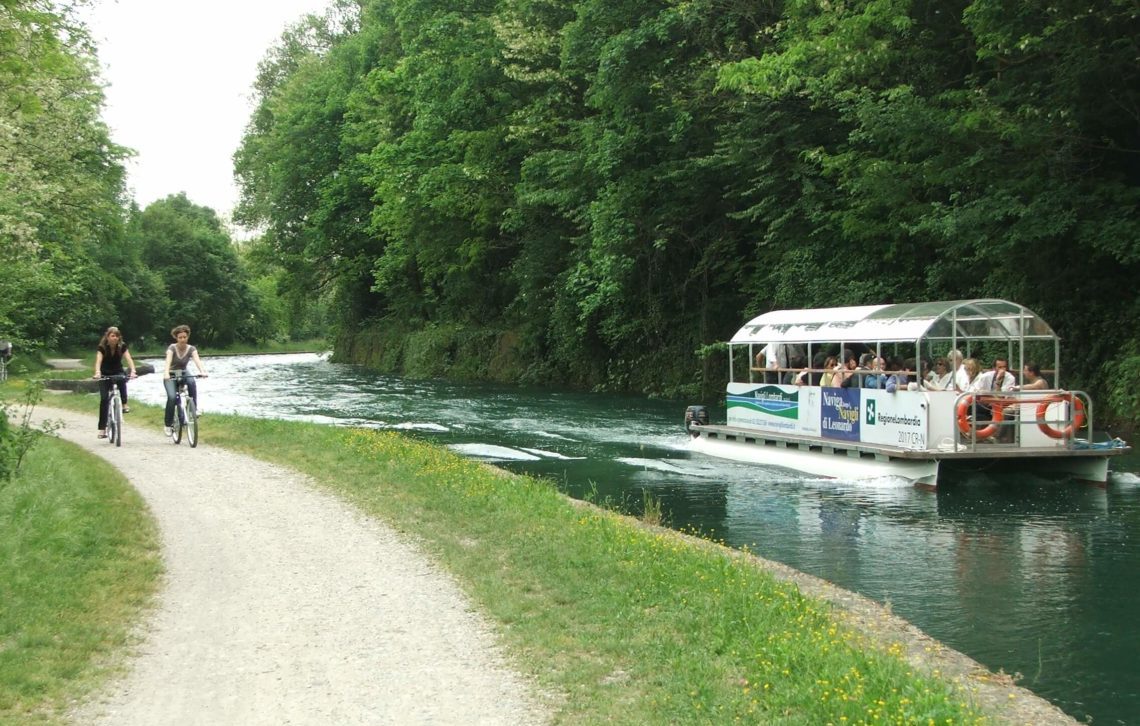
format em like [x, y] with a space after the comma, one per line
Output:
[282, 604]
[621, 616]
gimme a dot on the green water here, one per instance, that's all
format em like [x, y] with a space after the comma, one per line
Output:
[1029, 575]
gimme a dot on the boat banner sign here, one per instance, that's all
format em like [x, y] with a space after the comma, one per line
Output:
[839, 413]
[765, 407]
[894, 420]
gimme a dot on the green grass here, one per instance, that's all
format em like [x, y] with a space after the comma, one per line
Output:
[622, 622]
[79, 560]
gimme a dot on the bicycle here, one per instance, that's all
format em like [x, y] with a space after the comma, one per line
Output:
[115, 410]
[185, 410]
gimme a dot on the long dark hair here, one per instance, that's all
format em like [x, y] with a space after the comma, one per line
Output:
[104, 342]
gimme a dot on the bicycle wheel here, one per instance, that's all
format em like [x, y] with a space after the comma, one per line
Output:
[180, 423]
[115, 421]
[191, 423]
[3, 371]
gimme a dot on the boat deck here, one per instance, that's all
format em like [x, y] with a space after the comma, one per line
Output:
[962, 452]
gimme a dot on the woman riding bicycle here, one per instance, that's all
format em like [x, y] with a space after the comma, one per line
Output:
[109, 357]
[178, 355]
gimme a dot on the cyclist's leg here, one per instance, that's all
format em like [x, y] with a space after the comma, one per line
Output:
[171, 392]
[192, 388]
[104, 403]
[123, 392]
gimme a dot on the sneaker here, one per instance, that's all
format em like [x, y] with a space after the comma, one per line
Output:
[168, 430]
[126, 409]
[102, 434]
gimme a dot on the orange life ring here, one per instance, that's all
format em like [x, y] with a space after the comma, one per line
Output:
[965, 408]
[1078, 416]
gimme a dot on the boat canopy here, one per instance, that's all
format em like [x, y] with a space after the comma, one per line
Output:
[997, 320]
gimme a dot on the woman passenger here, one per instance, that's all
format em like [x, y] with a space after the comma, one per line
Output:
[829, 370]
[941, 378]
[973, 368]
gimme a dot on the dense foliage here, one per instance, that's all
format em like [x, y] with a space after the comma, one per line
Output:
[76, 255]
[606, 188]
[596, 192]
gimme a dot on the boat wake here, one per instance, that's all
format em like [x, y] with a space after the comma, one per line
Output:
[493, 452]
[550, 454]
[686, 467]
[1124, 478]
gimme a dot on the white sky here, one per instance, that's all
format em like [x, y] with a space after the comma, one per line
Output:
[180, 78]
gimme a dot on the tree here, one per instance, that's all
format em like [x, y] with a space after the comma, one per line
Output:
[206, 286]
[62, 178]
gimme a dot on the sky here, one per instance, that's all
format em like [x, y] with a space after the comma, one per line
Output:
[180, 90]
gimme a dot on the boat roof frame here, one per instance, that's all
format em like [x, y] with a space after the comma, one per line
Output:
[948, 324]
[974, 320]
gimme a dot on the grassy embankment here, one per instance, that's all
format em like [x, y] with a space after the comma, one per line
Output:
[626, 623]
[79, 559]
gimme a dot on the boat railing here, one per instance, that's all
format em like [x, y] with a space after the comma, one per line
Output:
[983, 418]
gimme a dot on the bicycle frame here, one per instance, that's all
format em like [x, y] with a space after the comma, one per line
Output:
[185, 410]
[114, 409]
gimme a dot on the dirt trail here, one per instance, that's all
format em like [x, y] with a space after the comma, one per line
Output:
[282, 605]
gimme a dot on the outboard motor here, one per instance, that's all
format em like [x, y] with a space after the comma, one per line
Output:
[696, 416]
[6, 349]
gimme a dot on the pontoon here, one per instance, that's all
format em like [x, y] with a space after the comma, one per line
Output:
[780, 413]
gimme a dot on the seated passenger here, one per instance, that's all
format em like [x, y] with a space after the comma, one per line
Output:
[873, 377]
[1034, 381]
[829, 367]
[798, 363]
[961, 375]
[845, 375]
[967, 373]
[941, 378]
[897, 376]
[997, 379]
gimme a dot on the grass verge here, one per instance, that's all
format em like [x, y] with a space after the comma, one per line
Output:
[627, 623]
[79, 560]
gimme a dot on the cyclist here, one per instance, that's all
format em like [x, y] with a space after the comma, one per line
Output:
[109, 357]
[178, 355]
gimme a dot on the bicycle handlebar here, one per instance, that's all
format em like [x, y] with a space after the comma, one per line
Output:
[114, 377]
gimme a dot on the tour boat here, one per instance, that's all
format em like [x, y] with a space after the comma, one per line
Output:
[780, 414]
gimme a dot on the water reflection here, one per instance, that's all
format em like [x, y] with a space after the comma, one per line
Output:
[1030, 575]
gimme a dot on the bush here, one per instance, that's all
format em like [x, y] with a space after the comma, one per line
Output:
[17, 440]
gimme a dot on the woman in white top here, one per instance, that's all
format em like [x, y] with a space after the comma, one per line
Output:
[178, 355]
[941, 378]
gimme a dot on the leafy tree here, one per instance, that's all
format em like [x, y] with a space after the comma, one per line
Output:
[206, 287]
[62, 178]
[298, 162]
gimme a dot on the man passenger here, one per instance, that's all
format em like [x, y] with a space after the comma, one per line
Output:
[997, 379]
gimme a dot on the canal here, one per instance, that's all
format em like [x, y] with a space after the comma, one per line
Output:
[1028, 575]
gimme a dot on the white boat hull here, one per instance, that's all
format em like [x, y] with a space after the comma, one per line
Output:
[827, 461]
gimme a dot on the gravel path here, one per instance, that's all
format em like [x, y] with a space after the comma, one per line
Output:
[282, 605]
